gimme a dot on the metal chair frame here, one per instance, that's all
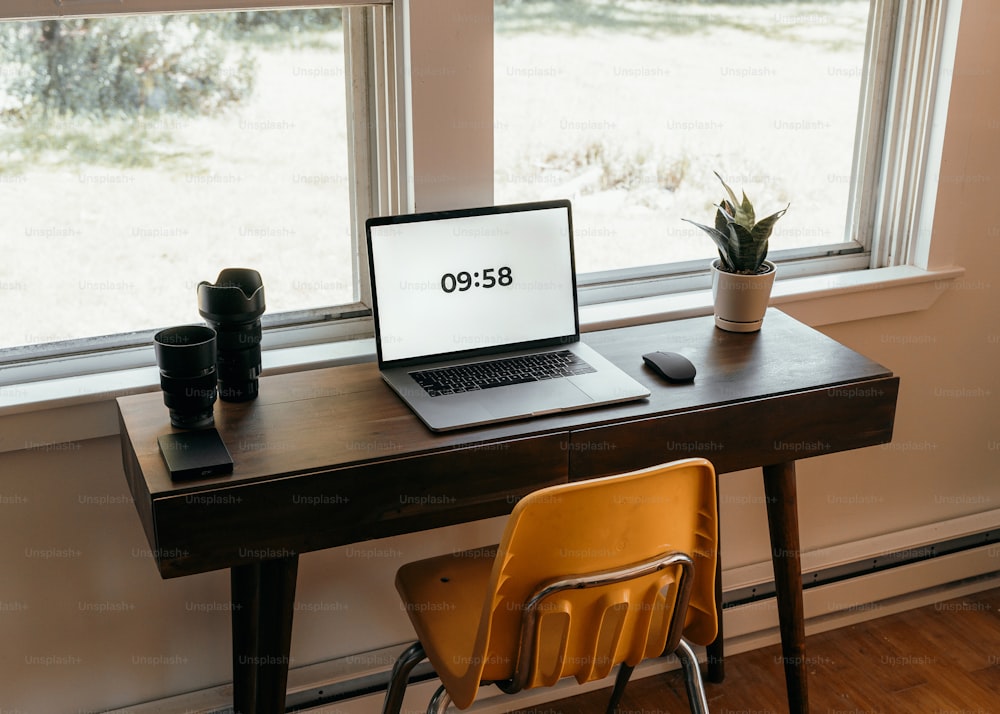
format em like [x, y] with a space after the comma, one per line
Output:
[528, 640]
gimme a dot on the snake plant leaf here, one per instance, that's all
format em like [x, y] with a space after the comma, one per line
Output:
[732, 196]
[746, 208]
[723, 215]
[742, 249]
[741, 211]
[764, 226]
[721, 241]
[761, 254]
[739, 253]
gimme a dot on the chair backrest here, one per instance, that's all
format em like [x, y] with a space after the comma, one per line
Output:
[630, 619]
[592, 527]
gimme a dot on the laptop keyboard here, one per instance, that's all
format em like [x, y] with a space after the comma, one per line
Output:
[500, 372]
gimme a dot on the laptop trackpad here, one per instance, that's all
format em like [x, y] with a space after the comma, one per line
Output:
[534, 397]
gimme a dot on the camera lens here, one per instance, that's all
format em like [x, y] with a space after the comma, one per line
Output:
[186, 357]
[233, 306]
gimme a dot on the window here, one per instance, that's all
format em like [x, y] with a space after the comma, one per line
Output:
[629, 108]
[143, 153]
[765, 94]
[437, 100]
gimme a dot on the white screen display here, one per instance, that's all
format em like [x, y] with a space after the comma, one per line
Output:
[462, 283]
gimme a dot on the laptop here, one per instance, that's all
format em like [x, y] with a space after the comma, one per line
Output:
[476, 316]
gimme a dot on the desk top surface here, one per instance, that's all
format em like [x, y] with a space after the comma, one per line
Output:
[336, 417]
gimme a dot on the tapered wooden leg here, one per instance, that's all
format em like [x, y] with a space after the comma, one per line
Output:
[263, 600]
[246, 607]
[783, 524]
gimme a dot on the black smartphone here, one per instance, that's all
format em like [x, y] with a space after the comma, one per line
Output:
[199, 453]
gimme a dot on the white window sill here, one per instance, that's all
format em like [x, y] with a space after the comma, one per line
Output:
[39, 414]
[815, 300]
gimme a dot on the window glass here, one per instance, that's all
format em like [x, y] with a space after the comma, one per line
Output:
[629, 107]
[141, 155]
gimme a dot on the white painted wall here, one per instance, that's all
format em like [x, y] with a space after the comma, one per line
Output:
[86, 623]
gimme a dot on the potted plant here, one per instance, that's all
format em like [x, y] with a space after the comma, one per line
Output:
[741, 276]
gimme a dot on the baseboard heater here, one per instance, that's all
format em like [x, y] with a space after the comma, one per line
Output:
[866, 566]
[348, 689]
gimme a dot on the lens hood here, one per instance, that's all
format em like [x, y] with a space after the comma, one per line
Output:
[236, 296]
[185, 351]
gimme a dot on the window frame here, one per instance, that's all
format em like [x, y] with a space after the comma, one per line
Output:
[388, 120]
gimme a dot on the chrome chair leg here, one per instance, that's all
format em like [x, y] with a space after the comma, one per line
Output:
[439, 702]
[692, 678]
[624, 672]
[410, 658]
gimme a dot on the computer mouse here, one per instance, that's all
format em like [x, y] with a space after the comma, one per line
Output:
[671, 366]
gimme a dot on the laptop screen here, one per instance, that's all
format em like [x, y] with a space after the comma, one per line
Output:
[473, 281]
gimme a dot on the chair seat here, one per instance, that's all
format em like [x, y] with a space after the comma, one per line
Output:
[444, 598]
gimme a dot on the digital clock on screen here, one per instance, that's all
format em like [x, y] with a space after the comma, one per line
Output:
[487, 278]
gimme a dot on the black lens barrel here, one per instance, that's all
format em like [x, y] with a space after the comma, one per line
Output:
[232, 306]
[186, 357]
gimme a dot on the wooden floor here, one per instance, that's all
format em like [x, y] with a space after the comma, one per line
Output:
[939, 659]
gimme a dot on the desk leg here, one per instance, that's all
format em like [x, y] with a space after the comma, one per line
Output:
[783, 524]
[263, 599]
[714, 651]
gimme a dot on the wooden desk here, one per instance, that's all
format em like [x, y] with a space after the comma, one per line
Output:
[331, 457]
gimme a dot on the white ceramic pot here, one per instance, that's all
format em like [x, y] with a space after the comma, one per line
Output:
[741, 300]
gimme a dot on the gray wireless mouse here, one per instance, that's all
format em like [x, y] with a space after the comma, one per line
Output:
[671, 366]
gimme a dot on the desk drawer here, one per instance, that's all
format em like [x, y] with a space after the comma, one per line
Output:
[744, 435]
[219, 527]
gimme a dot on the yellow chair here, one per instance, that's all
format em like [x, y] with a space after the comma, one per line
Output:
[588, 575]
